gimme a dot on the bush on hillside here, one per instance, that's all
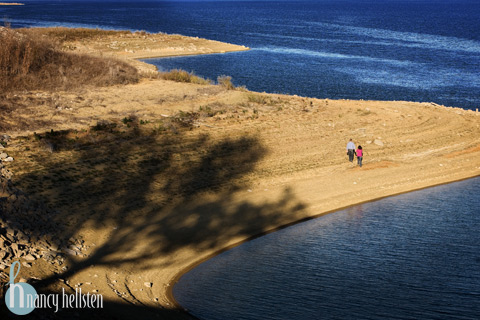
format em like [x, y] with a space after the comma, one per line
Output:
[183, 76]
[28, 63]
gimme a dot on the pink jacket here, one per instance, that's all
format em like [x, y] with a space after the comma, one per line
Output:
[359, 153]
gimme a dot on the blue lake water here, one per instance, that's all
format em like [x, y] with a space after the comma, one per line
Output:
[413, 256]
[425, 50]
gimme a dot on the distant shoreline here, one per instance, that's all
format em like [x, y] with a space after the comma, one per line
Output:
[11, 4]
[194, 169]
[136, 45]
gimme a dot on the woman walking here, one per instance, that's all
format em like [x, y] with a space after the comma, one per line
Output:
[359, 153]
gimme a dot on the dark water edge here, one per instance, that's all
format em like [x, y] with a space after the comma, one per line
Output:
[412, 256]
[426, 51]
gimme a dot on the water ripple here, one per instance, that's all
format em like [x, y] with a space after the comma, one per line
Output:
[412, 256]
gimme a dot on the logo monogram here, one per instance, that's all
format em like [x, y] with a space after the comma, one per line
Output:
[20, 297]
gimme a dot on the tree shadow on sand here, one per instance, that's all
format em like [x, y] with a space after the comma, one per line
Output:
[158, 193]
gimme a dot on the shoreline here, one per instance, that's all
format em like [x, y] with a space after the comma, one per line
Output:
[199, 169]
[227, 49]
[174, 55]
[195, 264]
[139, 45]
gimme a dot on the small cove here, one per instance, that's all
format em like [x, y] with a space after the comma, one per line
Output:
[412, 256]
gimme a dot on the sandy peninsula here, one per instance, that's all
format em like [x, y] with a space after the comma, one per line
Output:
[11, 4]
[131, 46]
[152, 178]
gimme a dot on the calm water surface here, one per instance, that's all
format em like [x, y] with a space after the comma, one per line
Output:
[413, 256]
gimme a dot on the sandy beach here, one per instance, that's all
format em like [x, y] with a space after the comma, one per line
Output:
[131, 46]
[152, 178]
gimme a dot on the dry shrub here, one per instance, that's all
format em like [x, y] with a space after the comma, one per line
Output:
[226, 82]
[28, 63]
[183, 76]
[185, 119]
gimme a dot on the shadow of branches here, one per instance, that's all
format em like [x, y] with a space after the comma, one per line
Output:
[155, 193]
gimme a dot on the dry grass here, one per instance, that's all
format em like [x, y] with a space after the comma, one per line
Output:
[261, 99]
[226, 82]
[35, 63]
[62, 34]
[183, 76]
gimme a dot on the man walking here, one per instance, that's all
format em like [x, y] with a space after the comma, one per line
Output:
[350, 150]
